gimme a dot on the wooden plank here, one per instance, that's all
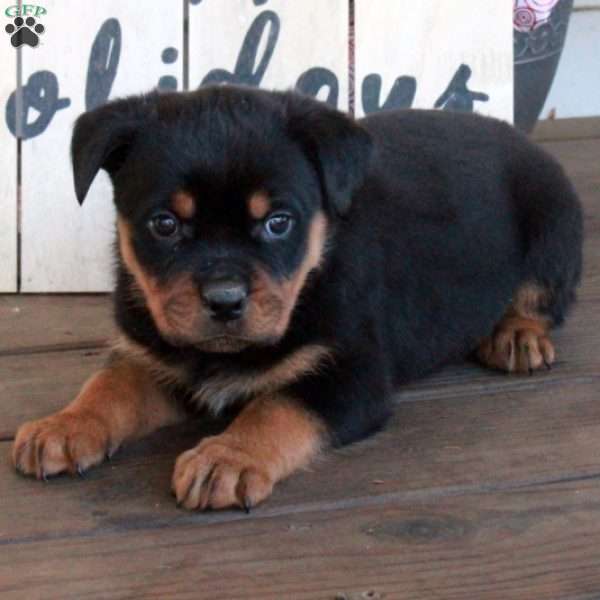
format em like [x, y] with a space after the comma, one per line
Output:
[8, 169]
[40, 323]
[430, 448]
[566, 129]
[65, 247]
[538, 541]
[414, 50]
[274, 44]
[578, 159]
[35, 385]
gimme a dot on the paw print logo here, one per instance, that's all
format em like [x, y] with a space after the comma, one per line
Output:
[24, 32]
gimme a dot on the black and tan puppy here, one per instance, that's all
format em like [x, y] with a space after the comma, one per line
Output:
[278, 257]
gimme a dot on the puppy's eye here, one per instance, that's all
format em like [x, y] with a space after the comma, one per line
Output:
[164, 225]
[278, 225]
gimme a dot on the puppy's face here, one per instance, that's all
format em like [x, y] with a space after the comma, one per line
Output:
[221, 266]
[225, 198]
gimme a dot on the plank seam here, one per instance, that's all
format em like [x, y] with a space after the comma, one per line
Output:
[67, 347]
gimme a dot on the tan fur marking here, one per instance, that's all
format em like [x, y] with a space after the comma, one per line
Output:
[516, 323]
[178, 313]
[118, 403]
[520, 341]
[220, 390]
[528, 300]
[184, 205]
[271, 438]
[259, 205]
[279, 434]
[126, 399]
[161, 372]
[273, 303]
[175, 308]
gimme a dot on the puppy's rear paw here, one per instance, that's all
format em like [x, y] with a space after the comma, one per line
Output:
[59, 443]
[517, 346]
[216, 474]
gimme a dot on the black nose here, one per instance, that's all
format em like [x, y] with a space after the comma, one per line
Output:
[226, 299]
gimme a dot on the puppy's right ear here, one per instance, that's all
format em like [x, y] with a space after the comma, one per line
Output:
[102, 139]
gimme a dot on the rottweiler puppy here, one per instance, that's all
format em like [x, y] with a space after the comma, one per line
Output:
[281, 260]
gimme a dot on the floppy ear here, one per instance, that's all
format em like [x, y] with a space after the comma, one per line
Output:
[338, 147]
[102, 138]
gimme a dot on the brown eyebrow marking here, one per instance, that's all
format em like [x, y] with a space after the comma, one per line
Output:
[259, 205]
[184, 205]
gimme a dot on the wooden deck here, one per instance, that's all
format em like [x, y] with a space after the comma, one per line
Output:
[483, 486]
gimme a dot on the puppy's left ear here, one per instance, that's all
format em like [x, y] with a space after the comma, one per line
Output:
[337, 146]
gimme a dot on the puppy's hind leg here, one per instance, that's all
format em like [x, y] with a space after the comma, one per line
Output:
[550, 223]
[520, 342]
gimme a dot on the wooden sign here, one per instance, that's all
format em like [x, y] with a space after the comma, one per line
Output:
[118, 48]
[275, 44]
[451, 55]
[8, 181]
[434, 54]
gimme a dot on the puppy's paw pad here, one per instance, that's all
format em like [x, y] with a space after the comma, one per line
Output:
[216, 475]
[59, 443]
[520, 350]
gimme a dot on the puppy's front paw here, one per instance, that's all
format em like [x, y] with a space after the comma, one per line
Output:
[217, 474]
[61, 442]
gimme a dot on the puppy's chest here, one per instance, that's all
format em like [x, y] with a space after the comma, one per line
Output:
[214, 385]
[216, 388]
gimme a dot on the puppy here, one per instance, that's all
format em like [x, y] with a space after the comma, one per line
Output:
[279, 259]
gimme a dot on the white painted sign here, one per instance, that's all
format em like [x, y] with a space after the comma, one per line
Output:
[275, 44]
[435, 54]
[8, 180]
[455, 55]
[117, 48]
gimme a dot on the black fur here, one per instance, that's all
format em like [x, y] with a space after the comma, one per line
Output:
[434, 219]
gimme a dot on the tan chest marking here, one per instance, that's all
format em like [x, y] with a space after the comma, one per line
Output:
[220, 390]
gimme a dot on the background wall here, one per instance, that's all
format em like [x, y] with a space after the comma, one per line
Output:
[452, 55]
[575, 91]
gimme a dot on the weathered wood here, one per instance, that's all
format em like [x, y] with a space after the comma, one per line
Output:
[522, 542]
[65, 247]
[566, 129]
[8, 180]
[35, 385]
[38, 323]
[430, 447]
[390, 38]
[274, 44]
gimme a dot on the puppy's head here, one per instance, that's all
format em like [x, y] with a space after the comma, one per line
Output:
[225, 198]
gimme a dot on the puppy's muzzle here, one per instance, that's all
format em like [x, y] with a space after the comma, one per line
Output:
[225, 299]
